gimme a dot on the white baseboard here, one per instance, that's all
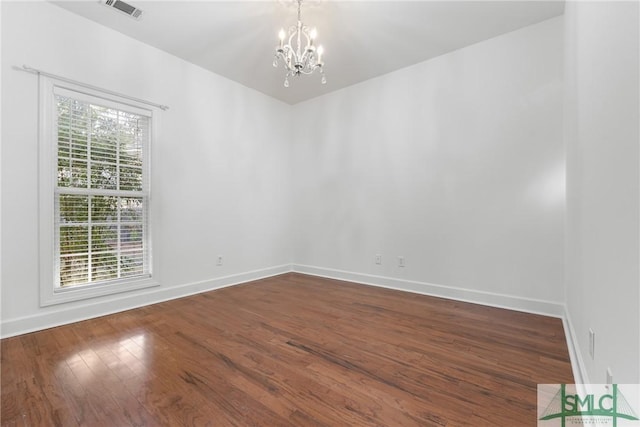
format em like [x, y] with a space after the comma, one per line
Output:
[580, 375]
[62, 315]
[529, 305]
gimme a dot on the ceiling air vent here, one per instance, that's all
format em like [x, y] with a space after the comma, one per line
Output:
[132, 11]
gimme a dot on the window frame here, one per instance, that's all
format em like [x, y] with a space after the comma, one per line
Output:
[50, 293]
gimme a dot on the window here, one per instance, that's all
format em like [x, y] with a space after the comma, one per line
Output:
[95, 225]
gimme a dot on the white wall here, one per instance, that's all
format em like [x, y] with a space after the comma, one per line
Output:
[220, 164]
[603, 191]
[456, 163]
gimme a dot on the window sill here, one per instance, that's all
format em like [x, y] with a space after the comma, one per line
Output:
[76, 293]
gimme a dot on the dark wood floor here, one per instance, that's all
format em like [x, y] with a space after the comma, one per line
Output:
[292, 350]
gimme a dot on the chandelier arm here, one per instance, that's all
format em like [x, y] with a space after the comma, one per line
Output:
[292, 33]
[307, 62]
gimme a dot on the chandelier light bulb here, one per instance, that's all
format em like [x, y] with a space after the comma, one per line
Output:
[320, 52]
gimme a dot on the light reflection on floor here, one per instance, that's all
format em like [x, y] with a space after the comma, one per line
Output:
[128, 358]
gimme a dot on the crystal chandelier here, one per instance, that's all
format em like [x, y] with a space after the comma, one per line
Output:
[299, 60]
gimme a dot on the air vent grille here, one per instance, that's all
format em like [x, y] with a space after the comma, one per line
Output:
[124, 7]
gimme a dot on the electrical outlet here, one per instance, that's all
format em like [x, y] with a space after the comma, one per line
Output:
[219, 260]
[378, 259]
[592, 344]
[400, 261]
[609, 377]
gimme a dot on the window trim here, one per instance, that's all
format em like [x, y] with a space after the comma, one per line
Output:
[47, 169]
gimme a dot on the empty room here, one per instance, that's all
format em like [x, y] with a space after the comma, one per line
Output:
[320, 213]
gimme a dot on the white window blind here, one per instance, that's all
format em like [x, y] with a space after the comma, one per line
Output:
[101, 193]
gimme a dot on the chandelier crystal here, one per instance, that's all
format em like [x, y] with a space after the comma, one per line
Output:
[300, 59]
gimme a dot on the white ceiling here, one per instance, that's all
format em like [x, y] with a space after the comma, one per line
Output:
[362, 39]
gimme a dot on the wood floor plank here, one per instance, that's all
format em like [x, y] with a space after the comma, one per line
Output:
[292, 350]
